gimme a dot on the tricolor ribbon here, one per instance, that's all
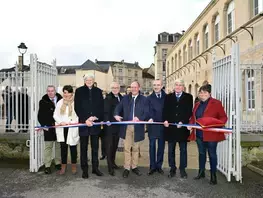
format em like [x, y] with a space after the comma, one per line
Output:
[194, 126]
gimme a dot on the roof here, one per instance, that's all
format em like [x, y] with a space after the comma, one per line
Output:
[26, 68]
[145, 74]
[107, 64]
[67, 69]
[89, 65]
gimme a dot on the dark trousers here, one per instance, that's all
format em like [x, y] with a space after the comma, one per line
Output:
[102, 142]
[84, 140]
[64, 150]
[9, 118]
[183, 154]
[112, 141]
[203, 147]
[156, 163]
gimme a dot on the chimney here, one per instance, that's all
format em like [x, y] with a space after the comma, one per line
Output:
[96, 60]
[183, 32]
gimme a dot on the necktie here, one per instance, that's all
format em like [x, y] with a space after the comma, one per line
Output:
[132, 109]
[178, 97]
[53, 101]
[158, 95]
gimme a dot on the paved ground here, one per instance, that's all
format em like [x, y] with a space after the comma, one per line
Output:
[20, 183]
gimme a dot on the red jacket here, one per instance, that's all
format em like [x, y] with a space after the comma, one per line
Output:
[214, 109]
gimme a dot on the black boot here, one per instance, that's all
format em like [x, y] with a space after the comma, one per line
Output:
[201, 174]
[213, 180]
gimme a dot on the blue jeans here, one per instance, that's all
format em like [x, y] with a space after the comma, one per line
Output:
[203, 147]
[183, 155]
[156, 164]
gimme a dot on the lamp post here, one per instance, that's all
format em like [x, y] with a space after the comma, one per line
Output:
[22, 48]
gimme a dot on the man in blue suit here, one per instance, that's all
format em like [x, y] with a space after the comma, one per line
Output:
[155, 132]
[134, 108]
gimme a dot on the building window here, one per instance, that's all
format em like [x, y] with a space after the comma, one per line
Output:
[175, 62]
[168, 65]
[185, 54]
[190, 53]
[129, 81]
[172, 69]
[136, 73]
[250, 90]
[230, 17]
[179, 59]
[164, 53]
[197, 50]
[206, 37]
[120, 80]
[120, 71]
[164, 66]
[164, 38]
[257, 6]
[129, 72]
[217, 30]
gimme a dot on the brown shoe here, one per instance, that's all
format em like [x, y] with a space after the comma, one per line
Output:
[63, 169]
[74, 169]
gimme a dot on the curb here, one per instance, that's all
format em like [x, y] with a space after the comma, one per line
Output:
[255, 169]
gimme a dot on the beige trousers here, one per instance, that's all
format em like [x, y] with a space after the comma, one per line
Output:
[131, 158]
[48, 153]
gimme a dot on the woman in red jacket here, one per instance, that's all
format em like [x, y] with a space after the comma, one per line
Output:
[211, 111]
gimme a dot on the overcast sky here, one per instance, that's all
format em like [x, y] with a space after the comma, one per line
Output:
[73, 31]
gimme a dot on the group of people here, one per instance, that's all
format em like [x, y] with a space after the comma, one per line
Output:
[88, 106]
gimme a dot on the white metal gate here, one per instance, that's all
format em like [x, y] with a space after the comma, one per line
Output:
[226, 88]
[41, 75]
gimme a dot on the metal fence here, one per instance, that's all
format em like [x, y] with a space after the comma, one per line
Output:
[41, 75]
[15, 101]
[226, 88]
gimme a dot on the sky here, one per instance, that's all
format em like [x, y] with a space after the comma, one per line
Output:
[72, 31]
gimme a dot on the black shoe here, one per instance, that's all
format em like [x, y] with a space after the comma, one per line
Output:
[115, 166]
[172, 172]
[213, 180]
[58, 167]
[103, 157]
[48, 170]
[136, 171]
[112, 172]
[183, 174]
[159, 170]
[85, 175]
[126, 173]
[151, 171]
[201, 174]
[97, 172]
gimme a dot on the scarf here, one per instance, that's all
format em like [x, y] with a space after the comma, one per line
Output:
[66, 103]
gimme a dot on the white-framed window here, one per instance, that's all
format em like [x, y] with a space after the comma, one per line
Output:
[164, 38]
[190, 53]
[250, 81]
[120, 71]
[257, 6]
[231, 17]
[120, 80]
[185, 55]
[175, 62]
[179, 59]
[197, 49]
[206, 37]
[136, 73]
[217, 28]
[164, 53]
[172, 69]
[129, 81]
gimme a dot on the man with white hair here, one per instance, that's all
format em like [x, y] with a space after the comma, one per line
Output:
[89, 108]
[112, 132]
[177, 109]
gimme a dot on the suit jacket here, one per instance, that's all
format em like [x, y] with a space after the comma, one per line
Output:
[84, 108]
[110, 103]
[214, 109]
[174, 111]
[141, 111]
[156, 113]
[45, 116]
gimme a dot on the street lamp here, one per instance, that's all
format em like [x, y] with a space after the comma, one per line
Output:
[22, 48]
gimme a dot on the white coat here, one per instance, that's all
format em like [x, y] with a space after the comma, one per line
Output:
[73, 133]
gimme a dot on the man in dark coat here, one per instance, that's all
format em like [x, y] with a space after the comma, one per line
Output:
[45, 117]
[134, 108]
[112, 132]
[89, 108]
[155, 132]
[177, 109]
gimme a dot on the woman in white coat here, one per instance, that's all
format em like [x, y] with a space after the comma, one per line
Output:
[65, 114]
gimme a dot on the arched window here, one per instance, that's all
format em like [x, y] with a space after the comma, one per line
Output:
[185, 54]
[190, 89]
[175, 62]
[230, 17]
[197, 44]
[172, 69]
[190, 51]
[179, 59]
[206, 34]
[217, 28]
